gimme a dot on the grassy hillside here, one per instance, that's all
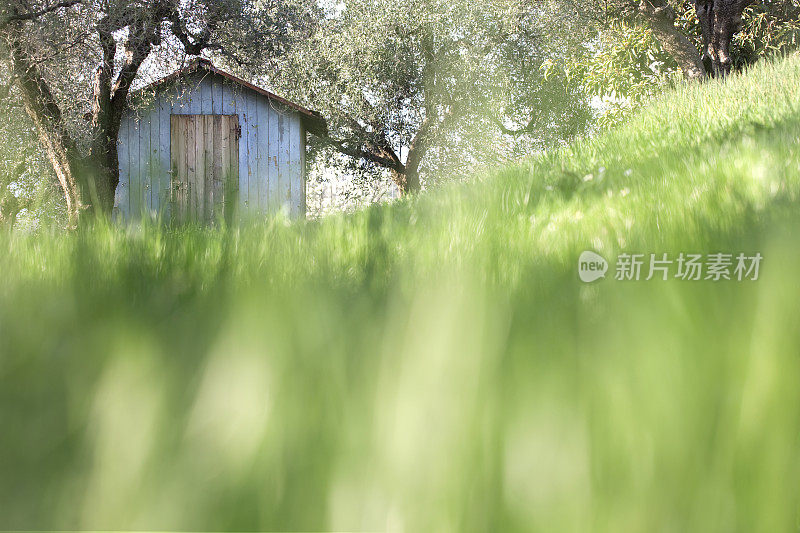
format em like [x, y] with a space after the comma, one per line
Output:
[435, 364]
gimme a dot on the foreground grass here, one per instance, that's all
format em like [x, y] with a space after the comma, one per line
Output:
[435, 364]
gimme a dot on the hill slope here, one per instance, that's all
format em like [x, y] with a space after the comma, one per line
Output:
[435, 364]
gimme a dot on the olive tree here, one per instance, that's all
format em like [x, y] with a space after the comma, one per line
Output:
[415, 87]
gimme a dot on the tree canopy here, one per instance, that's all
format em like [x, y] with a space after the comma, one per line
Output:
[411, 86]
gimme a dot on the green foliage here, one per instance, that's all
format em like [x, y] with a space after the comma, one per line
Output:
[434, 364]
[379, 70]
[625, 65]
[622, 68]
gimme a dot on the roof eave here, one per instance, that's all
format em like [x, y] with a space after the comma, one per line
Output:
[313, 121]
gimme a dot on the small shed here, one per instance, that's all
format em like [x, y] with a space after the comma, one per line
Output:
[202, 144]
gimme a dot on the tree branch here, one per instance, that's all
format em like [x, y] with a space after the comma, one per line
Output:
[193, 44]
[20, 17]
[661, 17]
[379, 157]
[102, 78]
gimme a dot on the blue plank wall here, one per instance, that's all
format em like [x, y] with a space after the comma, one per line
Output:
[271, 150]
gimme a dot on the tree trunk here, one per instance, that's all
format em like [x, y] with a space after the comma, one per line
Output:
[407, 178]
[407, 181]
[413, 184]
[102, 175]
[661, 18]
[88, 183]
[61, 150]
[719, 21]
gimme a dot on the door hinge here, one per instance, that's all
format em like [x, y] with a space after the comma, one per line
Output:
[238, 132]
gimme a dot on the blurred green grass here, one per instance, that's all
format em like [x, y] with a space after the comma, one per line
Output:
[435, 364]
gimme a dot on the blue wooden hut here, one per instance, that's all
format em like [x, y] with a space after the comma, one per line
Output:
[202, 143]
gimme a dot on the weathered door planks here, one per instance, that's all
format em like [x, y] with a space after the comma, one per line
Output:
[205, 163]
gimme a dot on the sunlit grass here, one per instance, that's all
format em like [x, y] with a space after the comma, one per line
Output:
[435, 364]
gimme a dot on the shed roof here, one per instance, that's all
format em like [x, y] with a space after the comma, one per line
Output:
[312, 120]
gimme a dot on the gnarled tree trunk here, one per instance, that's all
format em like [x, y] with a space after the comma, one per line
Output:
[42, 108]
[719, 21]
[661, 17]
[407, 176]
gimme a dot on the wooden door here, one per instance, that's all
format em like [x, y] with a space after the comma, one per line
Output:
[205, 167]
